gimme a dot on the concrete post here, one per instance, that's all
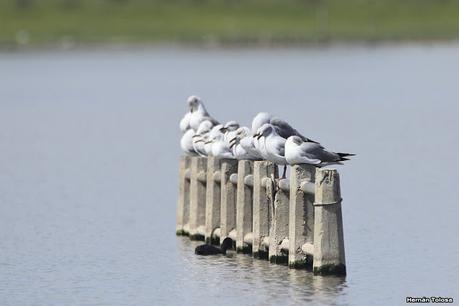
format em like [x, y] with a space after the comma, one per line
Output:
[228, 198]
[197, 198]
[301, 220]
[213, 197]
[244, 206]
[183, 205]
[262, 205]
[279, 225]
[328, 225]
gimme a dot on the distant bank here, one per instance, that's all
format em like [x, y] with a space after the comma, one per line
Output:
[224, 22]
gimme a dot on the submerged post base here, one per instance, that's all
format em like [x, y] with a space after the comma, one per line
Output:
[279, 259]
[247, 249]
[305, 263]
[198, 237]
[261, 255]
[182, 232]
[339, 270]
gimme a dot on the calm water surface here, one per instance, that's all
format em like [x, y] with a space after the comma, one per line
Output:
[89, 159]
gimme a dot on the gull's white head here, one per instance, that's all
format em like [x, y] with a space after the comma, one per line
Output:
[259, 120]
[230, 126]
[238, 135]
[215, 132]
[193, 103]
[295, 140]
[264, 131]
[243, 131]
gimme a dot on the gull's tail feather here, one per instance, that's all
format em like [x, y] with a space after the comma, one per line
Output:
[344, 156]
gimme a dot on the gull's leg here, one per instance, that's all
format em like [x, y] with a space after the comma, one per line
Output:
[285, 171]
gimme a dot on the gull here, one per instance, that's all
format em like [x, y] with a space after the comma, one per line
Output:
[214, 132]
[186, 142]
[217, 139]
[185, 122]
[284, 129]
[242, 145]
[259, 120]
[198, 113]
[220, 147]
[229, 131]
[201, 136]
[228, 128]
[298, 151]
[272, 145]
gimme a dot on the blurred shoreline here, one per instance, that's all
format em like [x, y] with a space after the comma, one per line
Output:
[67, 24]
[131, 47]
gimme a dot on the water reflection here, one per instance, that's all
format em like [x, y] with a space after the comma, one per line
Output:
[272, 283]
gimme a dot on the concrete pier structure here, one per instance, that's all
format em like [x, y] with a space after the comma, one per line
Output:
[213, 198]
[228, 198]
[279, 226]
[244, 200]
[263, 199]
[301, 220]
[296, 221]
[329, 255]
[198, 198]
[183, 205]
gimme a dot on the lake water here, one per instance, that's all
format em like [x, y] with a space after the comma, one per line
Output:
[89, 163]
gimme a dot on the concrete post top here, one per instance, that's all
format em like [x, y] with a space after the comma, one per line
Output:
[200, 162]
[304, 171]
[327, 187]
[325, 173]
[265, 162]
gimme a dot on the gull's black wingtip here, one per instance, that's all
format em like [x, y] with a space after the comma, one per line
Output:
[346, 154]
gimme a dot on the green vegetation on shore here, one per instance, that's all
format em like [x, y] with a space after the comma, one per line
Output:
[35, 22]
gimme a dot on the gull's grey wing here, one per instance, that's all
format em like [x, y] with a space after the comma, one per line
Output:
[316, 151]
[286, 130]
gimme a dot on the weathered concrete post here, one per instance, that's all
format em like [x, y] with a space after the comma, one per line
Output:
[183, 205]
[244, 206]
[262, 205]
[198, 198]
[228, 198]
[213, 197]
[328, 225]
[301, 220]
[279, 225]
